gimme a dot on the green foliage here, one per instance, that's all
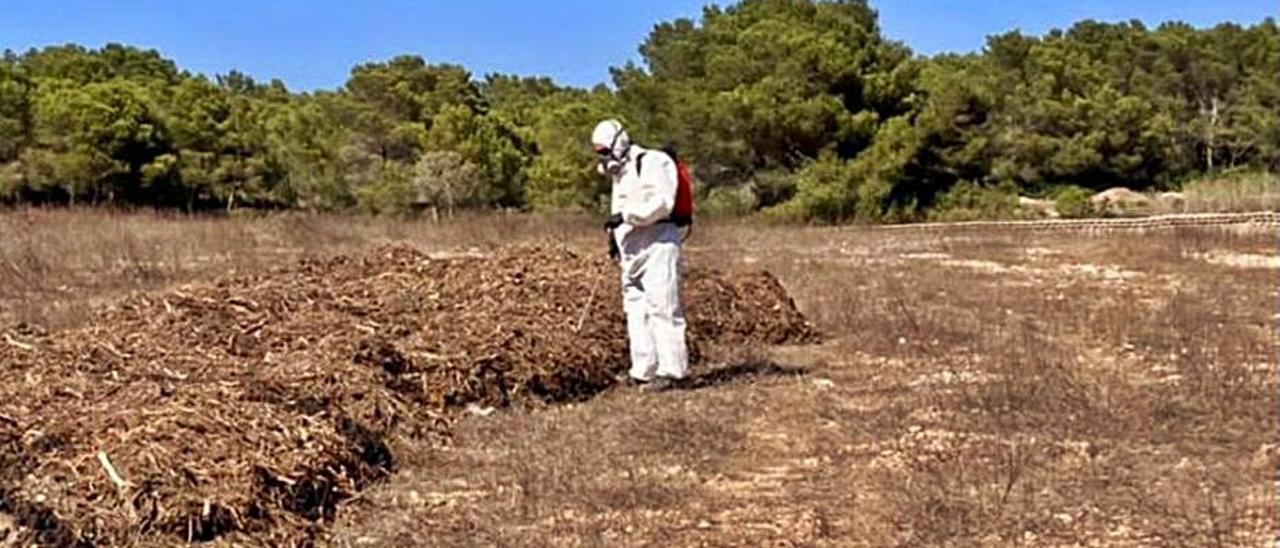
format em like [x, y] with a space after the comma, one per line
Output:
[391, 191]
[446, 180]
[306, 141]
[801, 108]
[765, 84]
[563, 176]
[91, 137]
[1073, 202]
[727, 202]
[772, 187]
[968, 201]
[15, 112]
[491, 144]
[826, 190]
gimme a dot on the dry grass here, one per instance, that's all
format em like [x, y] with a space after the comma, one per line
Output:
[55, 265]
[1240, 192]
[980, 388]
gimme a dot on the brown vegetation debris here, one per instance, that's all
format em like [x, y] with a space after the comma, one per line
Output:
[253, 405]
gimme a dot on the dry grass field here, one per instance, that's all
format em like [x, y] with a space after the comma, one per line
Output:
[976, 387]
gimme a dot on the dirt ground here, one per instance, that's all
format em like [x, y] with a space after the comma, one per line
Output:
[976, 387]
[980, 389]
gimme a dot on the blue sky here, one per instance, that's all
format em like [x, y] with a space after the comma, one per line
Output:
[313, 44]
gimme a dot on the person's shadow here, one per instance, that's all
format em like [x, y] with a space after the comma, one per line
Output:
[743, 371]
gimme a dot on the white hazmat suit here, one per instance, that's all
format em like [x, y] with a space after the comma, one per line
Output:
[644, 196]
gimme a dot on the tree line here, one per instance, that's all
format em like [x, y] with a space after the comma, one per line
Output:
[799, 109]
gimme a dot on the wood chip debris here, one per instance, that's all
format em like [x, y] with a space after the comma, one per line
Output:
[247, 408]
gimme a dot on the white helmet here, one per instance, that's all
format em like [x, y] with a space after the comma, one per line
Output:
[611, 144]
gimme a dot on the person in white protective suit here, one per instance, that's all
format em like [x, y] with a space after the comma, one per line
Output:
[648, 250]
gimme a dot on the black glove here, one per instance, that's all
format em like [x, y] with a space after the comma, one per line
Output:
[614, 252]
[614, 221]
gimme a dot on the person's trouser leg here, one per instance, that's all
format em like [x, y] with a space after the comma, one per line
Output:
[661, 284]
[644, 359]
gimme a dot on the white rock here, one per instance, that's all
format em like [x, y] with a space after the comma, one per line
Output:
[478, 410]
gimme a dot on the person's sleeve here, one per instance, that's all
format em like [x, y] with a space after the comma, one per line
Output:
[658, 187]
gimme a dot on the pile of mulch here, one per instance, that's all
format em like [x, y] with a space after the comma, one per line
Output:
[248, 408]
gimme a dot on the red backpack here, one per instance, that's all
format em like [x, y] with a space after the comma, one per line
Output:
[682, 213]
